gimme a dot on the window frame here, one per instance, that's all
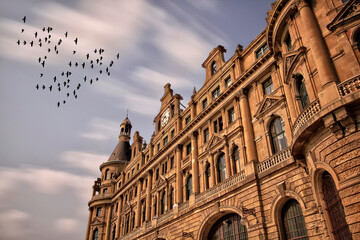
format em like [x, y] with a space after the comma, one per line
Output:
[261, 50]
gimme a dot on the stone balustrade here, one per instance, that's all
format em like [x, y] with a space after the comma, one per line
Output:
[349, 86]
[309, 112]
[101, 196]
[221, 186]
[274, 160]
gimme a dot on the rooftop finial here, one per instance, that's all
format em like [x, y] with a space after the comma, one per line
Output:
[127, 112]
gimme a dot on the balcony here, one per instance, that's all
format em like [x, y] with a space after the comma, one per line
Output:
[349, 86]
[221, 186]
[100, 196]
[274, 161]
[308, 113]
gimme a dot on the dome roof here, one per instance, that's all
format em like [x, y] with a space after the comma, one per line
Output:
[121, 152]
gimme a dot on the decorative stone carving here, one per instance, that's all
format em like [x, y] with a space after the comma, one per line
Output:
[266, 104]
[347, 13]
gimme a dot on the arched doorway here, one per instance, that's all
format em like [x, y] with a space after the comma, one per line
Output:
[228, 227]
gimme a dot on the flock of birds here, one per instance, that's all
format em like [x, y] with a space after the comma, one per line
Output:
[62, 82]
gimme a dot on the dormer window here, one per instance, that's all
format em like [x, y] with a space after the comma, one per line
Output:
[263, 49]
[213, 68]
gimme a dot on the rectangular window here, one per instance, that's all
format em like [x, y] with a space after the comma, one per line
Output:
[135, 193]
[261, 51]
[218, 125]
[287, 41]
[158, 147]
[268, 86]
[133, 172]
[165, 167]
[206, 135]
[172, 133]
[98, 212]
[231, 115]
[137, 167]
[157, 174]
[204, 103]
[172, 162]
[105, 190]
[188, 149]
[215, 93]
[147, 158]
[187, 120]
[119, 186]
[228, 82]
[165, 140]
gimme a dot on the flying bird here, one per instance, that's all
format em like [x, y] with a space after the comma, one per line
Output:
[74, 92]
[75, 96]
[22, 30]
[31, 43]
[24, 19]
[49, 29]
[70, 63]
[49, 36]
[78, 86]
[111, 63]
[76, 40]
[50, 88]
[62, 74]
[40, 44]
[45, 39]
[91, 81]
[37, 86]
[92, 66]
[87, 56]
[68, 74]
[76, 64]
[100, 71]
[39, 59]
[43, 29]
[55, 79]
[35, 34]
[41, 74]
[85, 79]
[64, 84]
[67, 94]
[24, 42]
[83, 65]
[57, 51]
[97, 79]
[108, 73]
[117, 56]
[49, 49]
[49, 41]
[43, 87]
[59, 42]
[95, 50]
[59, 89]
[101, 58]
[107, 69]
[64, 102]
[97, 61]
[74, 52]
[66, 34]
[18, 42]
[43, 63]
[58, 104]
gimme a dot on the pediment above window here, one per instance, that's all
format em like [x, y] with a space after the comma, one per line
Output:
[267, 104]
[291, 59]
[349, 12]
[97, 222]
[215, 141]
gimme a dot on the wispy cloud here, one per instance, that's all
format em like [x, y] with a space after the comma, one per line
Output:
[101, 129]
[45, 181]
[14, 224]
[66, 225]
[83, 160]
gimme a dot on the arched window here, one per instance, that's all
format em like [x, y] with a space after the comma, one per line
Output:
[127, 223]
[189, 187]
[334, 209]
[304, 99]
[106, 174]
[95, 234]
[143, 211]
[113, 233]
[287, 41]
[236, 159]
[278, 135]
[162, 203]
[207, 176]
[155, 206]
[132, 220]
[228, 227]
[171, 198]
[213, 68]
[293, 221]
[221, 168]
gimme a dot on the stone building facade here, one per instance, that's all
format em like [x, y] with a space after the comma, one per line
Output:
[268, 148]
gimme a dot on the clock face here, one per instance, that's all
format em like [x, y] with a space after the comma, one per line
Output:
[165, 117]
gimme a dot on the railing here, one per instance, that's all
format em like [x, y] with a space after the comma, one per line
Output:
[165, 216]
[187, 159]
[349, 86]
[101, 196]
[274, 160]
[310, 111]
[217, 188]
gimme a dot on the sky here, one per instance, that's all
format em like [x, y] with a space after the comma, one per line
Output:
[50, 155]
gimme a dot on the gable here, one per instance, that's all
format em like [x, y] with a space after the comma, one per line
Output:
[214, 141]
[266, 104]
[350, 12]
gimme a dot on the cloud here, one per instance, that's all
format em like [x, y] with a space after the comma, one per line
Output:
[101, 129]
[66, 225]
[85, 161]
[14, 224]
[45, 181]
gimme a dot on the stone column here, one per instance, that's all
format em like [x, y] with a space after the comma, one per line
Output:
[108, 223]
[195, 162]
[251, 153]
[118, 221]
[89, 223]
[227, 160]
[138, 205]
[320, 52]
[148, 197]
[179, 195]
[290, 102]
